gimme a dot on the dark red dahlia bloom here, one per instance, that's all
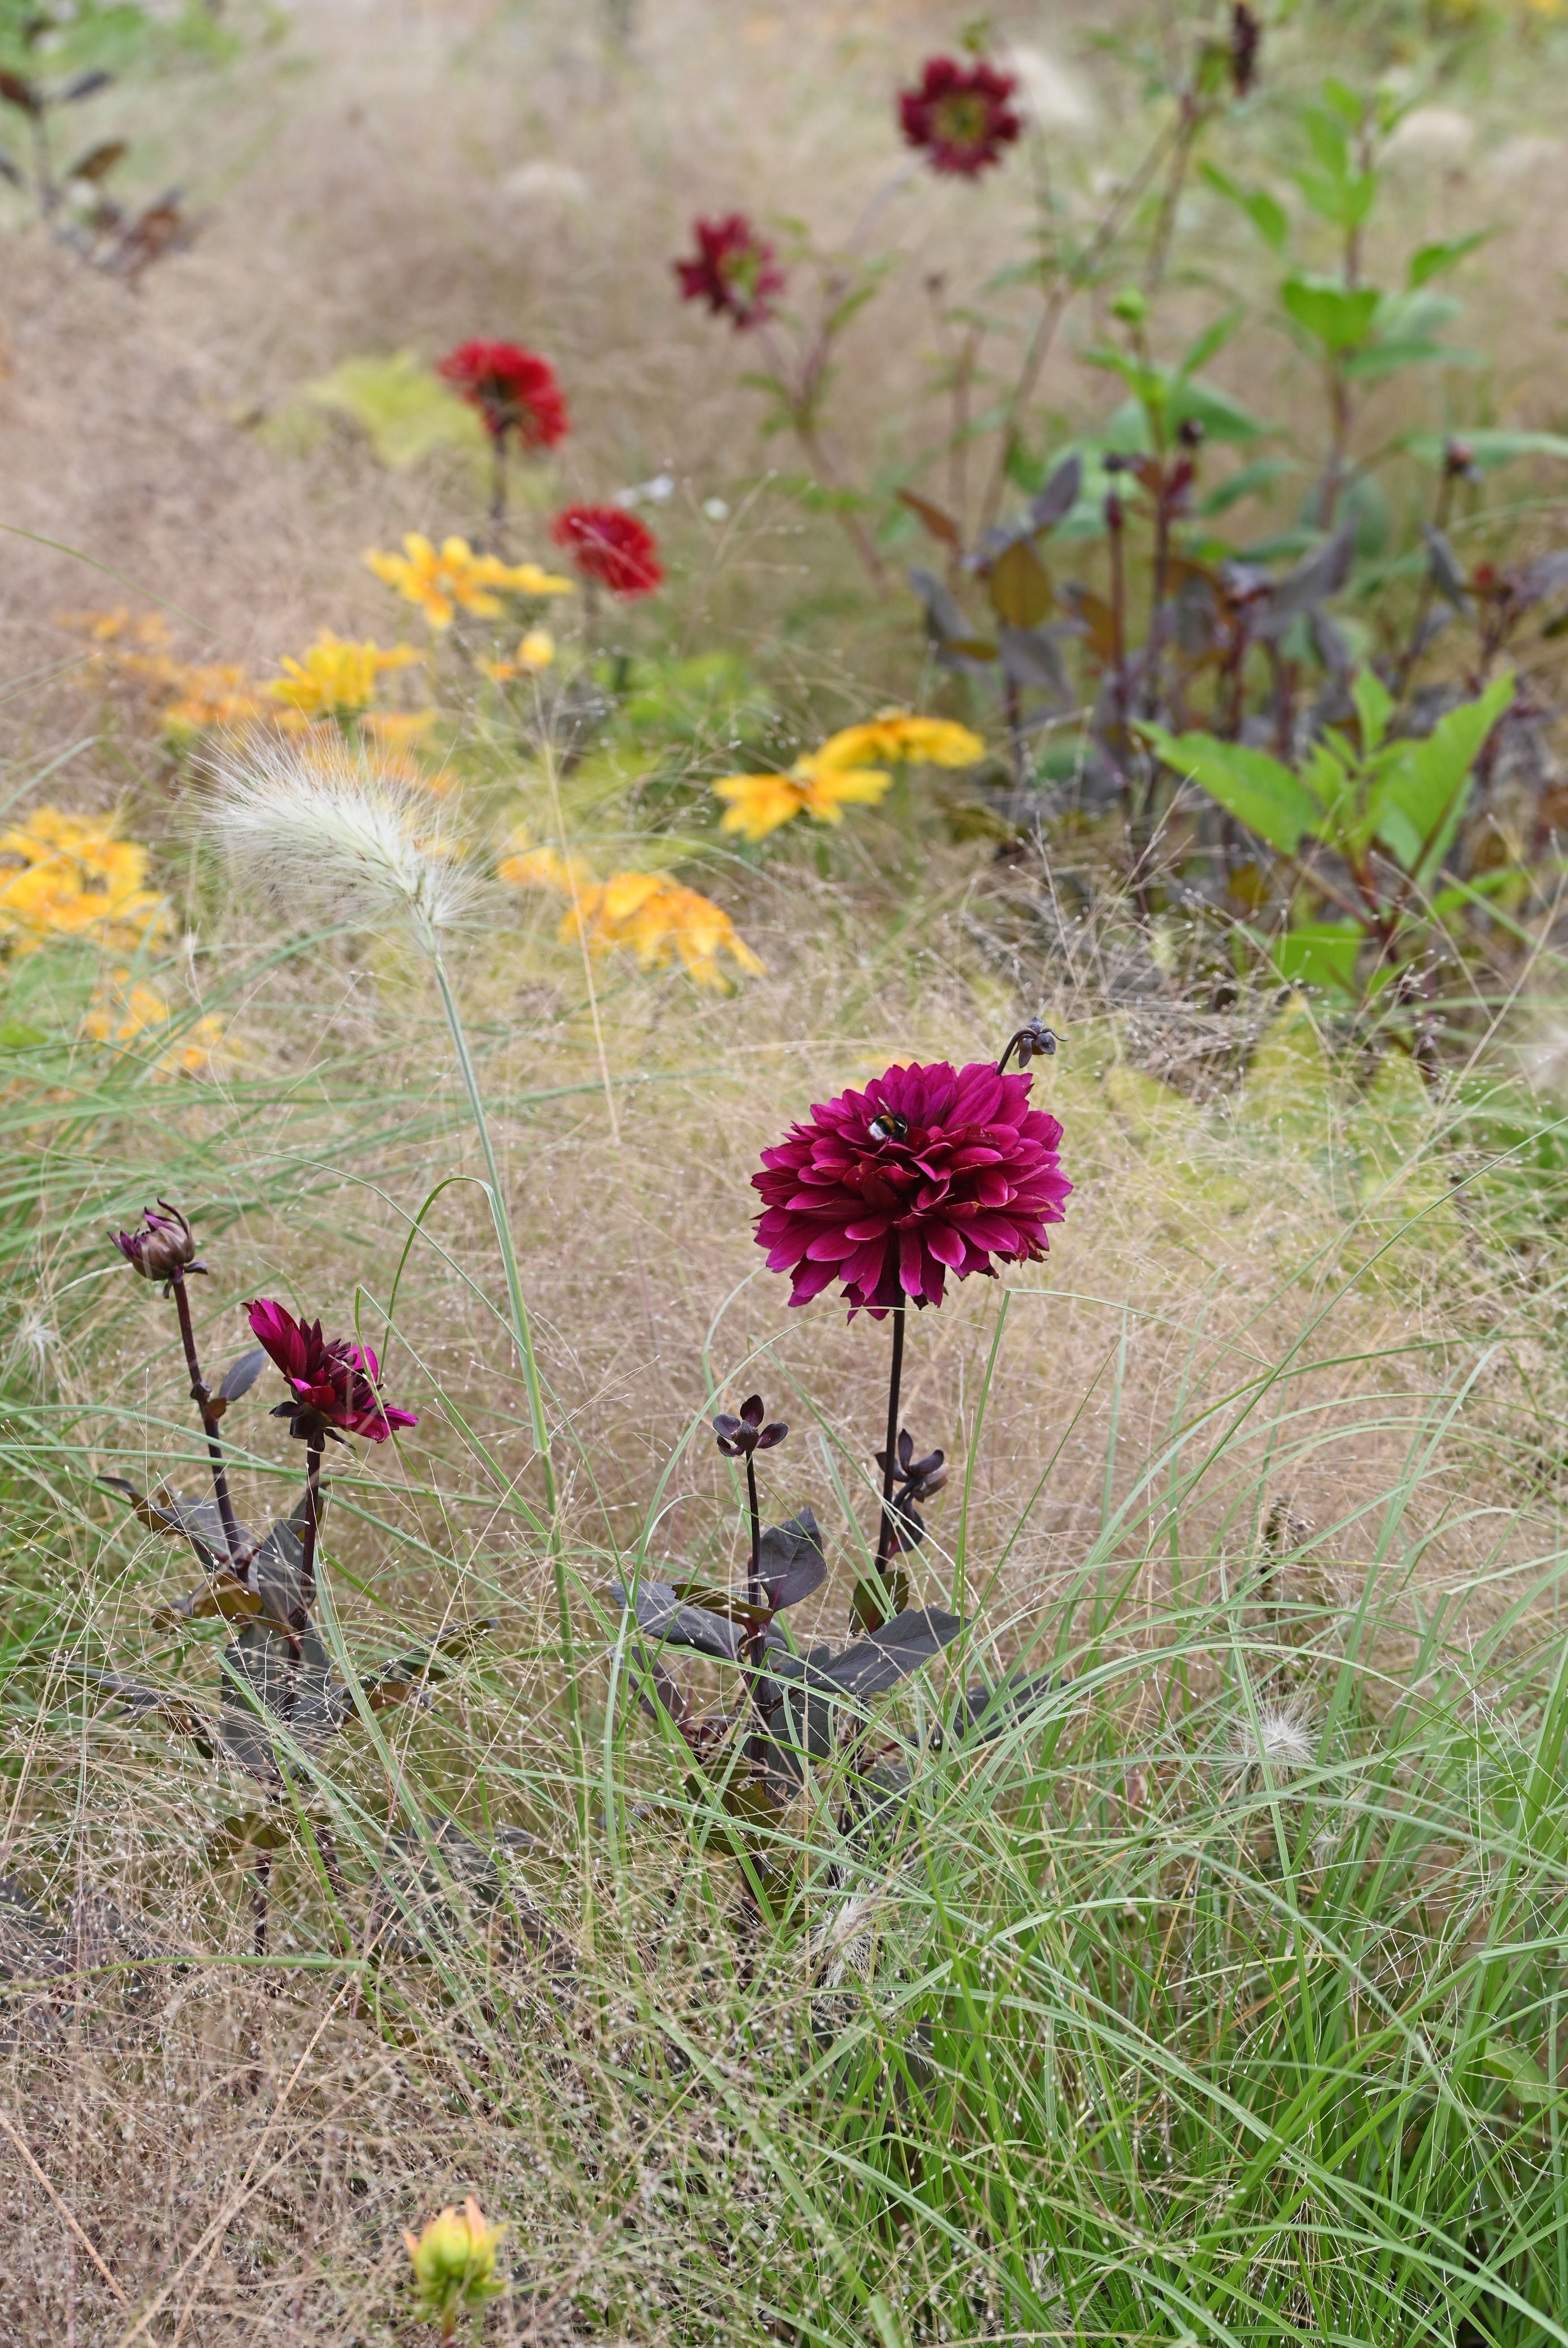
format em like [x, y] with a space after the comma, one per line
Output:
[734, 271]
[928, 1171]
[333, 1388]
[610, 545]
[959, 115]
[514, 391]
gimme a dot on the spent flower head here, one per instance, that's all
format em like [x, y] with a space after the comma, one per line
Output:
[734, 271]
[929, 1170]
[1280, 1743]
[161, 1246]
[333, 1385]
[454, 2264]
[913, 1480]
[514, 390]
[739, 1437]
[960, 116]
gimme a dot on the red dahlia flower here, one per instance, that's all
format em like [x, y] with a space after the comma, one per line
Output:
[735, 272]
[959, 115]
[335, 1387]
[929, 1170]
[513, 390]
[610, 545]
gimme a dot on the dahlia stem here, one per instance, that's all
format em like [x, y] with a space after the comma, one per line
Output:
[498, 479]
[307, 1545]
[887, 1539]
[755, 1647]
[202, 1395]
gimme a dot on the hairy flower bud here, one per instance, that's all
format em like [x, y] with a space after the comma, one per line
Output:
[161, 1246]
[454, 2262]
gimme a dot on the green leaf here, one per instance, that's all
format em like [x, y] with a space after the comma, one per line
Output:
[1388, 358]
[1222, 417]
[1019, 586]
[1373, 706]
[1526, 2079]
[1266, 213]
[1488, 448]
[1248, 784]
[1344, 203]
[405, 411]
[1245, 482]
[1209, 344]
[1416, 805]
[1431, 260]
[1319, 953]
[1338, 317]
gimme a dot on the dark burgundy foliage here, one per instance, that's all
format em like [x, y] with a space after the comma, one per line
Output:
[929, 1170]
[739, 1437]
[960, 116]
[1246, 39]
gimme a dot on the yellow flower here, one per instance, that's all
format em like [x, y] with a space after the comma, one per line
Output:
[71, 876]
[759, 804]
[337, 678]
[658, 918]
[544, 868]
[151, 630]
[457, 579]
[221, 695]
[454, 2263]
[536, 652]
[130, 1010]
[895, 736]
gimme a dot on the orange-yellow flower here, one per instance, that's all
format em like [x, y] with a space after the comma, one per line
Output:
[758, 804]
[457, 579]
[129, 1012]
[454, 2264]
[534, 654]
[658, 918]
[337, 678]
[895, 738]
[72, 876]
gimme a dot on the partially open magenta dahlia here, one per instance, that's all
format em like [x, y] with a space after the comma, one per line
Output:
[928, 1171]
[734, 271]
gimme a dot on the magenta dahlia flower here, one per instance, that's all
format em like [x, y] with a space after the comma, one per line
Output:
[928, 1171]
[959, 115]
[734, 271]
[513, 390]
[335, 1387]
[610, 546]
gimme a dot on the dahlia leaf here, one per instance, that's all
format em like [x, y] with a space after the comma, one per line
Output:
[242, 1375]
[791, 1561]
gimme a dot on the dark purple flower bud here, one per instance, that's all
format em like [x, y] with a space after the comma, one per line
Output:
[1033, 1040]
[162, 1245]
[1191, 432]
[739, 1437]
[1246, 39]
[1459, 461]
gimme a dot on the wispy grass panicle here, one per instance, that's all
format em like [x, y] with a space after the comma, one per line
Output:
[331, 835]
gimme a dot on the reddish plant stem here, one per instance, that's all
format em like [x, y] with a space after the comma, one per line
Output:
[202, 1395]
[307, 1545]
[887, 1538]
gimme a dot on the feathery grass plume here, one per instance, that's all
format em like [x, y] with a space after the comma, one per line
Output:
[1279, 1742]
[341, 840]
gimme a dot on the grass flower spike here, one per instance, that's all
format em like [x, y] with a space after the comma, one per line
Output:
[734, 271]
[929, 1170]
[337, 840]
[455, 579]
[454, 2265]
